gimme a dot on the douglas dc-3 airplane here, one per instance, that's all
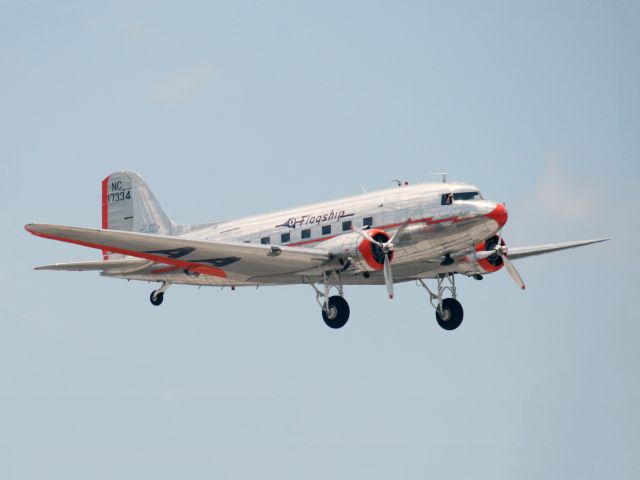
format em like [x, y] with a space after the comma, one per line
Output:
[406, 233]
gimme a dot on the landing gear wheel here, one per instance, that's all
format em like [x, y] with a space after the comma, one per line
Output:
[452, 314]
[338, 313]
[156, 299]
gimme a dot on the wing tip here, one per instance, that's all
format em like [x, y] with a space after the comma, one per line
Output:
[595, 240]
[34, 228]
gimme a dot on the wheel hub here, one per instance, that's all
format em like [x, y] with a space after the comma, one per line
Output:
[449, 314]
[332, 312]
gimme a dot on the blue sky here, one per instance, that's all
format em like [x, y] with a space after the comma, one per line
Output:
[240, 108]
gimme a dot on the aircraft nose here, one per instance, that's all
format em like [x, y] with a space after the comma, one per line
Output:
[499, 214]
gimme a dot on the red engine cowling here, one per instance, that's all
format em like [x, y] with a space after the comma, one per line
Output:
[372, 254]
[367, 256]
[494, 262]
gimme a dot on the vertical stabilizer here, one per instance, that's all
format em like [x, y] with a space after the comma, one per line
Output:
[128, 204]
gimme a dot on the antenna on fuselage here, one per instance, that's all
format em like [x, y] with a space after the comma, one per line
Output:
[443, 175]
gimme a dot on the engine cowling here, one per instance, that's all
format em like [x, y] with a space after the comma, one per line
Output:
[494, 262]
[366, 255]
[371, 253]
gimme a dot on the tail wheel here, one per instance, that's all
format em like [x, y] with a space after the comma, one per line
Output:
[156, 299]
[337, 312]
[452, 314]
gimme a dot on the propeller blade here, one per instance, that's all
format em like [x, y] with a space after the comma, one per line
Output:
[484, 254]
[400, 230]
[513, 272]
[388, 276]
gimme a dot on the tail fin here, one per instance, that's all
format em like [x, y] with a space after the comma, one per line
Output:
[128, 204]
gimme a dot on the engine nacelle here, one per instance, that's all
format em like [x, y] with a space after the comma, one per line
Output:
[366, 256]
[494, 262]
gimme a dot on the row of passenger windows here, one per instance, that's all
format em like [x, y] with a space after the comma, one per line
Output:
[326, 230]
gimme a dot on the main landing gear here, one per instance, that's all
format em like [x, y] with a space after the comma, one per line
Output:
[449, 312]
[335, 309]
[157, 296]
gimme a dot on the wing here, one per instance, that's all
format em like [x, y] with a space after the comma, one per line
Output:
[522, 252]
[431, 267]
[236, 261]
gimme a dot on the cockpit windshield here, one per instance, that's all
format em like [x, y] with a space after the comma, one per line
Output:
[467, 196]
[448, 198]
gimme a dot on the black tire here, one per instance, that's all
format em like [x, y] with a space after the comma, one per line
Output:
[453, 314]
[338, 312]
[157, 300]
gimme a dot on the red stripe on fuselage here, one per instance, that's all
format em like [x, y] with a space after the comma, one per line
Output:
[305, 242]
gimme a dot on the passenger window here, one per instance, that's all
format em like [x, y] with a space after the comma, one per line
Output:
[306, 233]
[326, 229]
[346, 226]
[285, 237]
[367, 221]
[265, 240]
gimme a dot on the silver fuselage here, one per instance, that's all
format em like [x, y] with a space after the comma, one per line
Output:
[436, 230]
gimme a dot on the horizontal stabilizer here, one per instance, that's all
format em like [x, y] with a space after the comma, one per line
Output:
[103, 265]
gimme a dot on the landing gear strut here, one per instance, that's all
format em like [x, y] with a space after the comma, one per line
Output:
[449, 312]
[157, 296]
[335, 309]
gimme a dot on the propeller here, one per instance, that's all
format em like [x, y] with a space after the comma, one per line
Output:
[502, 251]
[386, 247]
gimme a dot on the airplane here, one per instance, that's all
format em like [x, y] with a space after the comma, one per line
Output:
[405, 233]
